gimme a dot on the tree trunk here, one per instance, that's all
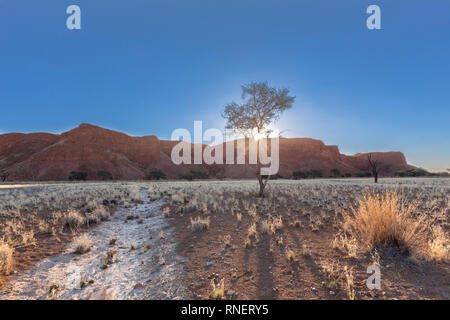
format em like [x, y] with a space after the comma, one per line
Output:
[375, 176]
[262, 183]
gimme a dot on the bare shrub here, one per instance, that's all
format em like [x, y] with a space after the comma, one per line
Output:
[384, 220]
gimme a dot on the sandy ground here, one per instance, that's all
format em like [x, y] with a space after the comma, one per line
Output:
[145, 264]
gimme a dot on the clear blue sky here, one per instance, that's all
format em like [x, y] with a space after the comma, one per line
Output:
[151, 66]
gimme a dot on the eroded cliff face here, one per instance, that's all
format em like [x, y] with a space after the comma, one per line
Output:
[89, 148]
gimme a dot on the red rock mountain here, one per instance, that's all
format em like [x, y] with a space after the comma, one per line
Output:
[44, 156]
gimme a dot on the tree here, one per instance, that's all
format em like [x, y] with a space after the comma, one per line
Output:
[300, 175]
[262, 105]
[104, 175]
[4, 175]
[315, 173]
[77, 175]
[335, 172]
[156, 174]
[374, 167]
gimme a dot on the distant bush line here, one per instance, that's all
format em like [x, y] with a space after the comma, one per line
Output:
[158, 174]
[420, 173]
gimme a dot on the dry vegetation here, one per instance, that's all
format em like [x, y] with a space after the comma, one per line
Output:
[37, 220]
[314, 238]
[305, 240]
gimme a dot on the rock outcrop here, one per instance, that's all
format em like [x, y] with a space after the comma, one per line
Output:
[89, 148]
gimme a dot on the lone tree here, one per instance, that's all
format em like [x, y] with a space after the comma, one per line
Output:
[374, 167]
[262, 105]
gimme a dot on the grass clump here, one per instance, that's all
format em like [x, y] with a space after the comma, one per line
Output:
[384, 220]
[108, 258]
[200, 224]
[439, 246]
[82, 244]
[73, 220]
[218, 291]
[6, 258]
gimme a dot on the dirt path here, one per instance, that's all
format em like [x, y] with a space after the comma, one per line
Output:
[145, 264]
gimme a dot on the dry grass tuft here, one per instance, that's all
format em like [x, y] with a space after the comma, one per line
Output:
[82, 244]
[108, 258]
[290, 255]
[271, 224]
[439, 246]
[305, 251]
[384, 220]
[343, 243]
[331, 271]
[218, 291]
[73, 220]
[6, 258]
[103, 214]
[199, 224]
[349, 283]
[227, 240]
[252, 231]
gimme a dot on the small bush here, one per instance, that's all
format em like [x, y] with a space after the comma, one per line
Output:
[78, 175]
[300, 175]
[315, 173]
[364, 174]
[186, 176]
[335, 172]
[156, 174]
